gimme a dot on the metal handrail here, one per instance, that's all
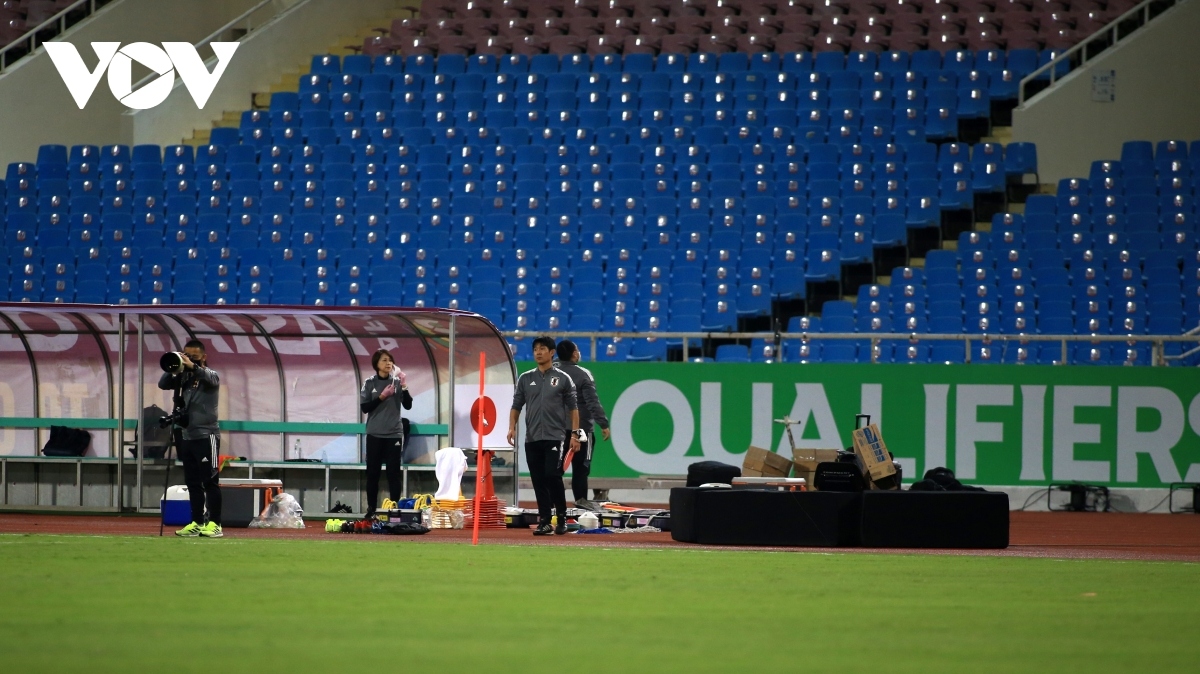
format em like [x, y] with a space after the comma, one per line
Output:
[31, 35]
[217, 33]
[1052, 66]
[1157, 342]
[246, 14]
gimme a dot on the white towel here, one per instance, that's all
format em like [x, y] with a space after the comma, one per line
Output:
[450, 465]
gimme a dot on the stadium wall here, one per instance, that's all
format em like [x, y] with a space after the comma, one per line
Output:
[1122, 427]
[1157, 95]
[39, 110]
[288, 42]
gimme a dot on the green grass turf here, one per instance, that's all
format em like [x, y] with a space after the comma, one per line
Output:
[98, 604]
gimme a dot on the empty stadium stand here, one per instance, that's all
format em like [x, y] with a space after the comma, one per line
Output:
[668, 166]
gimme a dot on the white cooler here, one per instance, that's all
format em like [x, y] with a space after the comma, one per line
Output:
[177, 507]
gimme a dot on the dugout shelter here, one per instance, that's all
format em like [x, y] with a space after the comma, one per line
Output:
[290, 378]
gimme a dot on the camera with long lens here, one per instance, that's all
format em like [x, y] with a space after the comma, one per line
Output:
[171, 362]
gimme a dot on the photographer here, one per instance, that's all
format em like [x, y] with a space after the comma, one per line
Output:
[381, 398]
[195, 417]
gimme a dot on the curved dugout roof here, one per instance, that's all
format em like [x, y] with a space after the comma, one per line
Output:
[286, 372]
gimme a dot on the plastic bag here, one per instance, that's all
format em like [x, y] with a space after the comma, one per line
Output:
[283, 513]
[446, 519]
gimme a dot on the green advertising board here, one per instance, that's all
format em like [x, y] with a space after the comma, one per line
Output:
[994, 425]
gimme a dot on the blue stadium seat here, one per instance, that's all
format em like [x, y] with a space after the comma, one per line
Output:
[732, 353]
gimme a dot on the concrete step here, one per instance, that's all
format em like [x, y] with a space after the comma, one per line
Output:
[289, 80]
[1000, 134]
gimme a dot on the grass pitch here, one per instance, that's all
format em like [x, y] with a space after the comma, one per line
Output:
[342, 604]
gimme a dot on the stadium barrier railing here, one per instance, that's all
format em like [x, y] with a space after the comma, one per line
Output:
[1158, 342]
[1116, 31]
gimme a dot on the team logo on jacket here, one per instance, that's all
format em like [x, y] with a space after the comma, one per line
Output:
[554, 381]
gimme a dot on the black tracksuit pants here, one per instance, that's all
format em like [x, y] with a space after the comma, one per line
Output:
[545, 460]
[581, 467]
[199, 458]
[379, 452]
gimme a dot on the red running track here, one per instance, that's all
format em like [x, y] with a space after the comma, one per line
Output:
[1032, 534]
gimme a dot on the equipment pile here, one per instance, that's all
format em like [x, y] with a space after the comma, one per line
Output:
[407, 517]
[284, 512]
[604, 517]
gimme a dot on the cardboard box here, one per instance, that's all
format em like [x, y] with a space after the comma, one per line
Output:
[868, 445]
[762, 463]
[805, 462]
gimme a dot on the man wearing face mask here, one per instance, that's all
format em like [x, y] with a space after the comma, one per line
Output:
[201, 441]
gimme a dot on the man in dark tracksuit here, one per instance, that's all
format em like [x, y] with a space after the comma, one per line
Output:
[590, 413]
[201, 440]
[551, 416]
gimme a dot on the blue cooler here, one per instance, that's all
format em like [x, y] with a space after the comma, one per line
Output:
[177, 508]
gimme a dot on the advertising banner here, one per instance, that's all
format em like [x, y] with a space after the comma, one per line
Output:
[489, 414]
[1030, 425]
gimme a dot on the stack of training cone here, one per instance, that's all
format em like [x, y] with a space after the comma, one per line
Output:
[447, 513]
[491, 513]
[491, 509]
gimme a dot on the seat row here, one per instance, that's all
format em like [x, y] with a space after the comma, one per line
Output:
[483, 162]
[798, 62]
[431, 213]
[508, 145]
[315, 109]
[590, 176]
[599, 90]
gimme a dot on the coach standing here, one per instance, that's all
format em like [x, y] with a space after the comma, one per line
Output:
[552, 415]
[383, 398]
[590, 413]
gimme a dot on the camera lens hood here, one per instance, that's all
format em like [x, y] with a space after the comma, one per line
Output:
[171, 362]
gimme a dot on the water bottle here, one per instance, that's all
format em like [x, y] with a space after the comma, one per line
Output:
[298, 453]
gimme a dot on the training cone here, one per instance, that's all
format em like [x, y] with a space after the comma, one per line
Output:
[491, 513]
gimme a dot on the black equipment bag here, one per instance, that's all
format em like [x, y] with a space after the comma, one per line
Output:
[704, 472]
[943, 479]
[837, 476]
[65, 441]
[405, 528]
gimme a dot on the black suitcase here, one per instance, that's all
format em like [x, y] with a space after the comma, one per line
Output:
[837, 476]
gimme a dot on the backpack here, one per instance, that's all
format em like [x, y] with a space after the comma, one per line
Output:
[157, 439]
[65, 441]
[944, 478]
